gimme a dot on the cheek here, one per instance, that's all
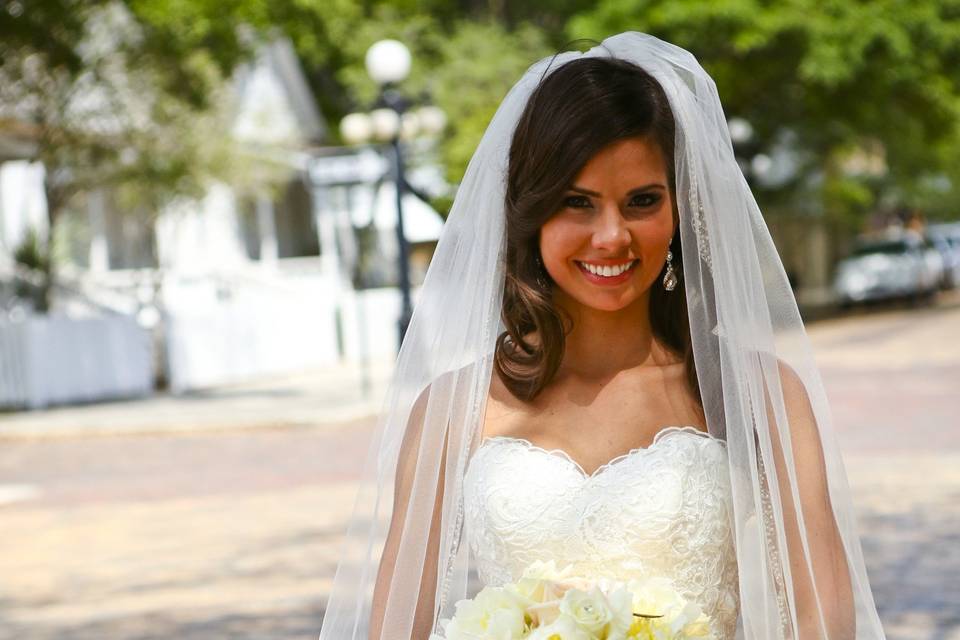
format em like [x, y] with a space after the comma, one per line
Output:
[559, 239]
[656, 232]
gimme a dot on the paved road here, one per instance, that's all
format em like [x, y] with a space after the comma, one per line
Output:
[235, 534]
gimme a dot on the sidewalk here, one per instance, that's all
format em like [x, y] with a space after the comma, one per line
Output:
[895, 339]
[312, 398]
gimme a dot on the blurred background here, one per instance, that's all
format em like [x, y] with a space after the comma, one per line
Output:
[215, 217]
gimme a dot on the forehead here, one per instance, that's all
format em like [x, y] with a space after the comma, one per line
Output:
[624, 161]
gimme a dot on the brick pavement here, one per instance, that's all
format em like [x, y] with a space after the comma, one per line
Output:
[893, 379]
[306, 399]
[908, 511]
[235, 534]
[208, 568]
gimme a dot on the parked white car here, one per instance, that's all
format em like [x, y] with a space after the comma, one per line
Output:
[896, 265]
[936, 263]
[946, 237]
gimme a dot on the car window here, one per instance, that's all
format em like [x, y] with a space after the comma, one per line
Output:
[889, 247]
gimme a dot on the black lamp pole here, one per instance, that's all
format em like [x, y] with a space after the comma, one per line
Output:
[392, 99]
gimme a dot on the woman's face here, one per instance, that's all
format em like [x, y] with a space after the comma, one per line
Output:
[609, 240]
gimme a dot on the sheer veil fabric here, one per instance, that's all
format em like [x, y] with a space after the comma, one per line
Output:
[799, 559]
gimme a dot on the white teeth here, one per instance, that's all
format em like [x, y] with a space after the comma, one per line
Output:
[607, 271]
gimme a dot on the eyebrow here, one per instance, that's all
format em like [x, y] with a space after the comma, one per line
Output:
[588, 192]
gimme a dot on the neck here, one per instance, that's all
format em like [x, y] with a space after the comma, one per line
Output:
[603, 343]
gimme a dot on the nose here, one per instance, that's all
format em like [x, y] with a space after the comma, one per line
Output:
[611, 233]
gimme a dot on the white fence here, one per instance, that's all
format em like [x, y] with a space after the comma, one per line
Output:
[48, 360]
[244, 339]
[208, 340]
[256, 334]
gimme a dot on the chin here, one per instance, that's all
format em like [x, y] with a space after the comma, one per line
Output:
[608, 302]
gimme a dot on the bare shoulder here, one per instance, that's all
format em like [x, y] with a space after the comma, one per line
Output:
[796, 399]
[502, 407]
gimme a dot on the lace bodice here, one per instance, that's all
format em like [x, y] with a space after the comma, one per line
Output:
[662, 510]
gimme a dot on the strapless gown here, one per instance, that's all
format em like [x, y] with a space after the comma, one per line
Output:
[664, 510]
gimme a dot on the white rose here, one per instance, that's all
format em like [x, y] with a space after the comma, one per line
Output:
[655, 597]
[589, 609]
[677, 616]
[544, 613]
[548, 570]
[575, 582]
[620, 602]
[563, 628]
[691, 622]
[536, 590]
[617, 598]
[543, 582]
[493, 613]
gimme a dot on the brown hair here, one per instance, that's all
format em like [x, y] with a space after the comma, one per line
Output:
[574, 112]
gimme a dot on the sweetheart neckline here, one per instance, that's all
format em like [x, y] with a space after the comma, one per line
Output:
[563, 455]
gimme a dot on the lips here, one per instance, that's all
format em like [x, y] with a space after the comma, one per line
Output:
[607, 280]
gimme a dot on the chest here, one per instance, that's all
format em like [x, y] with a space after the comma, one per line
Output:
[594, 422]
[663, 511]
[649, 509]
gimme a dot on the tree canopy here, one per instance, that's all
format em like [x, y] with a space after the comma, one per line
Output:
[846, 77]
[839, 81]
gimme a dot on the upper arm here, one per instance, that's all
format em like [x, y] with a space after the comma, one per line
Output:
[398, 573]
[827, 557]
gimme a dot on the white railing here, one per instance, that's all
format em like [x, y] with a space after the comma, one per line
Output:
[243, 339]
[49, 360]
[214, 329]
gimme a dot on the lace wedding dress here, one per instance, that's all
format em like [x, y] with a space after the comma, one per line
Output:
[663, 510]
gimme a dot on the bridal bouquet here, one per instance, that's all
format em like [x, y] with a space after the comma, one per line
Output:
[551, 604]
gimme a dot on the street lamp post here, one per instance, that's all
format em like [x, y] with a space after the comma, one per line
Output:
[388, 64]
[406, 307]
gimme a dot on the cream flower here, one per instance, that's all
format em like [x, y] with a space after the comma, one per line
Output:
[563, 628]
[493, 613]
[542, 585]
[617, 600]
[620, 602]
[547, 570]
[676, 616]
[655, 597]
[537, 590]
[544, 613]
[541, 582]
[691, 622]
[589, 609]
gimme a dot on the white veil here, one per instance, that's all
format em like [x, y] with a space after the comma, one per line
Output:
[799, 559]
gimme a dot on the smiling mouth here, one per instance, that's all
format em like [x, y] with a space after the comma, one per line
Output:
[608, 272]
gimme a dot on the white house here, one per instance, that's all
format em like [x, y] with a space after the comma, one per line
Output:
[243, 283]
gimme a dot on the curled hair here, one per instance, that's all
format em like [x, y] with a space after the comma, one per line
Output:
[575, 111]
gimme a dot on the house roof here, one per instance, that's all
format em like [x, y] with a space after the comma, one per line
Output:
[275, 104]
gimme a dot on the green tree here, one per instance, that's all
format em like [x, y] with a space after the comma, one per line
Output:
[466, 55]
[843, 76]
[466, 69]
[105, 110]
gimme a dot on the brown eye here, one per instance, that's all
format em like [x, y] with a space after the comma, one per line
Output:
[646, 199]
[576, 202]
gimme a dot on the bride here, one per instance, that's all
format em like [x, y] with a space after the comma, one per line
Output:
[606, 370]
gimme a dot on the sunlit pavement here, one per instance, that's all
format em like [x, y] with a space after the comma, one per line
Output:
[893, 378]
[209, 535]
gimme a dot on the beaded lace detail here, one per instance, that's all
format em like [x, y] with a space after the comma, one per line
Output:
[662, 510]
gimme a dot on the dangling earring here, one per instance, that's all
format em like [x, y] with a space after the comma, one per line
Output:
[670, 277]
